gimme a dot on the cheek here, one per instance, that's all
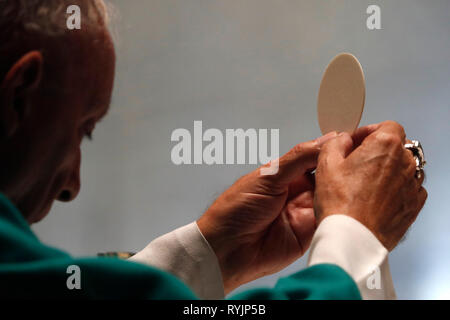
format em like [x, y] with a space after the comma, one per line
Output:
[38, 201]
[66, 143]
[55, 159]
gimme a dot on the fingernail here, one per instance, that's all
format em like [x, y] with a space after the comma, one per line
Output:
[321, 140]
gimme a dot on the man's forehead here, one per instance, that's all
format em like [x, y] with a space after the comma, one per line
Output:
[92, 74]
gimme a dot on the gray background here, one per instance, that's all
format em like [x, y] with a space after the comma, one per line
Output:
[255, 64]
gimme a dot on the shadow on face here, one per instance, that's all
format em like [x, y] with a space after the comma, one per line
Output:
[50, 99]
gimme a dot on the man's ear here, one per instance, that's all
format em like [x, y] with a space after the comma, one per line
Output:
[23, 78]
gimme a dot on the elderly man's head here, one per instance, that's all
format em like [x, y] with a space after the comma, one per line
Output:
[55, 85]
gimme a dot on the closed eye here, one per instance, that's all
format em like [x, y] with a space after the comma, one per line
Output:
[88, 129]
[88, 135]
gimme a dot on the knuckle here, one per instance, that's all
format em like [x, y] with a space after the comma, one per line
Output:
[324, 149]
[394, 124]
[424, 194]
[389, 139]
[396, 127]
[345, 135]
[305, 147]
[346, 138]
[414, 216]
[388, 122]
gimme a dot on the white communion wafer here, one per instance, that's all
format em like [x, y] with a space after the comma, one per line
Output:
[341, 95]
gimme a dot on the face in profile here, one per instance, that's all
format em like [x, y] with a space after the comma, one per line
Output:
[51, 101]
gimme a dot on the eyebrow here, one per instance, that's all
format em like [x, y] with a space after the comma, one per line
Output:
[106, 105]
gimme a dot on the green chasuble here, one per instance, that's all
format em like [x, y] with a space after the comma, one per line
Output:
[30, 269]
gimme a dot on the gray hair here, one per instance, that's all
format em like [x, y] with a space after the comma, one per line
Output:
[48, 17]
[25, 24]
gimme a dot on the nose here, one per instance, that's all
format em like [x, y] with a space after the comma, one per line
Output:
[72, 186]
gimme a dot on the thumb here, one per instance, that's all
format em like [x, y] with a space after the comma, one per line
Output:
[337, 149]
[298, 160]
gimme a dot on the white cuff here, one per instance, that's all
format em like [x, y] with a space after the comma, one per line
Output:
[346, 242]
[186, 254]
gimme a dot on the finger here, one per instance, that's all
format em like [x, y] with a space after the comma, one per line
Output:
[422, 198]
[360, 134]
[423, 195]
[301, 219]
[389, 134]
[418, 179]
[392, 127]
[303, 200]
[385, 131]
[303, 224]
[305, 182]
[410, 163]
[422, 178]
[336, 150]
[299, 160]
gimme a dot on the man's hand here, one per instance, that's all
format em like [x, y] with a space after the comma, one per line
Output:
[263, 223]
[370, 176]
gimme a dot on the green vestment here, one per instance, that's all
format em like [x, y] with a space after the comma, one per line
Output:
[31, 269]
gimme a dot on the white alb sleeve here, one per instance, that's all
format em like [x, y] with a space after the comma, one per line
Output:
[346, 242]
[186, 254]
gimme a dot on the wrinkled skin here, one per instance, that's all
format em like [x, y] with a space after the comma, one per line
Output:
[373, 182]
[48, 103]
[261, 224]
